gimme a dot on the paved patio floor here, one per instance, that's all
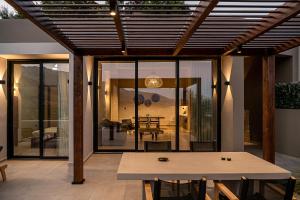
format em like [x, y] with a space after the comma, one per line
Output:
[50, 180]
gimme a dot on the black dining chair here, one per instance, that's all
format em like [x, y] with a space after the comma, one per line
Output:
[170, 188]
[222, 192]
[276, 189]
[197, 146]
[157, 146]
[269, 190]
[155, 191]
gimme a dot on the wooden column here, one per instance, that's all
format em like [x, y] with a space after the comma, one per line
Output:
[78, 119]
[268, 106]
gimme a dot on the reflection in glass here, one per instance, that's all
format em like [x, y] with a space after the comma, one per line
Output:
[195, 105]
[56, 113]
[25, 109]
[116, 106]
[156, 108]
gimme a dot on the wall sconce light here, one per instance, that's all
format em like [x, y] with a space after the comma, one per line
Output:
[227, 83]
[90, 83]
[2, 82]
[112, 7]
[214, 86]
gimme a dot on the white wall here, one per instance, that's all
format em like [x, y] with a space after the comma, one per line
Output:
[3, 109]
[88, 62]
[87, 108]
[295, 53]
[232, 113]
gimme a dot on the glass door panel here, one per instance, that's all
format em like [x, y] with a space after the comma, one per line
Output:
[26, 134]
[156, 102]
[116, 81]
[196, 105]
[56, 110]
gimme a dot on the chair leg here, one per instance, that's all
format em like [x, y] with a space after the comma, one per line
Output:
[2, 169]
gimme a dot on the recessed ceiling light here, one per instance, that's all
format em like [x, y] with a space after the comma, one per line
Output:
[112, 13]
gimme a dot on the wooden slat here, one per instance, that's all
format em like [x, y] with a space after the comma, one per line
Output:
[268, 110]
[61, 40]
[78, 120]
[199, 19]
[277, 19]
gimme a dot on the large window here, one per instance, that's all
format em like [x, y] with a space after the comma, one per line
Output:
[39, 109]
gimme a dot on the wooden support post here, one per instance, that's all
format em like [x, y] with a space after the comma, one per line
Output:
[268, 106]
[78, 119]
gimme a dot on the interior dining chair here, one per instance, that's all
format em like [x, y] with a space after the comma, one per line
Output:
[157, 146]
[224, 193]
[196, 146]
[156, 192]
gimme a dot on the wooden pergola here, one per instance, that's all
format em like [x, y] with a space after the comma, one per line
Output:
[175, 28]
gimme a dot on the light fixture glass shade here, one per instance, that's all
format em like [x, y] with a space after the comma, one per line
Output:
[153, 81]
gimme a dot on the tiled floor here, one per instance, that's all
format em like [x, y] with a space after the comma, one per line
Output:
[49, 180]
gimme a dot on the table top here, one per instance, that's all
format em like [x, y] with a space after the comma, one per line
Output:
[194, 165]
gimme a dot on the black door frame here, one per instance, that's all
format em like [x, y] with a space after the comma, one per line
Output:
[41, 96]
[135, 60]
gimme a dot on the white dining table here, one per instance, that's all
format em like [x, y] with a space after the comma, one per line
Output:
[195, 165]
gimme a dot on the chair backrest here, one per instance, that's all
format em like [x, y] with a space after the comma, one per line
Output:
[290, 187]
[244, 186]
[202, 146]
[151, 146]
[202, 189]
[156, 189]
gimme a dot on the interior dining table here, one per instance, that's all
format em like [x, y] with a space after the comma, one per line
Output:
[220, 166]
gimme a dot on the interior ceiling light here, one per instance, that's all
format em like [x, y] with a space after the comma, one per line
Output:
[153, 81]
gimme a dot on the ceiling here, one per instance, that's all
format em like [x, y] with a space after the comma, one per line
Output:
[168, 28]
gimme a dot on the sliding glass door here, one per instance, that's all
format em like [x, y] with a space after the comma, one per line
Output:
[38, 109]
[155, 100]
[116, 110]
[26, 135]
[196, 105]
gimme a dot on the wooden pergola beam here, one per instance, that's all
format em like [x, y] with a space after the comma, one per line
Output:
[118, 24]
[285, 13]
[199, 19]
[61, 40]
[295, 42]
